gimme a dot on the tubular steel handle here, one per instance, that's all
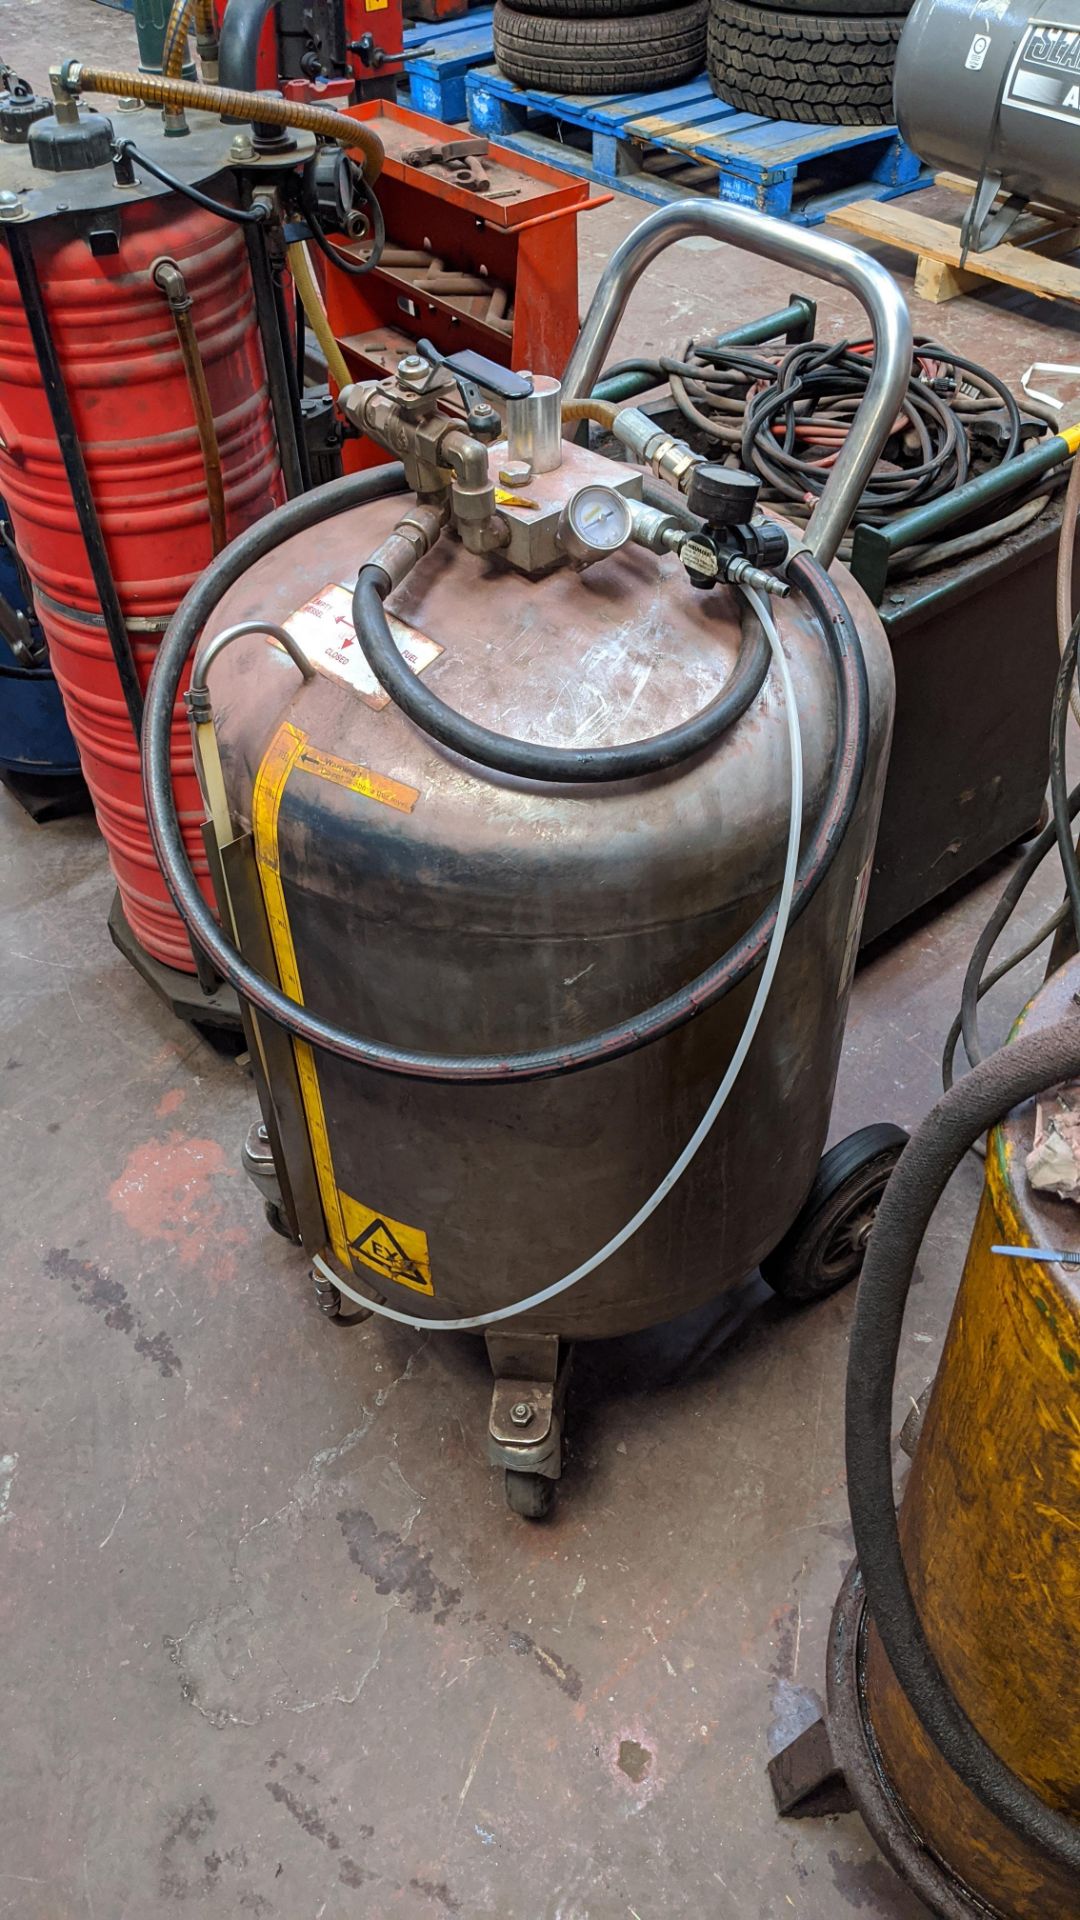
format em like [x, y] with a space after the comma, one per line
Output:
[216, 647]
[814, 253]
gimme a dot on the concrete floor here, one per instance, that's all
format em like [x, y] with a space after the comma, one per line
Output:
[271, 1643]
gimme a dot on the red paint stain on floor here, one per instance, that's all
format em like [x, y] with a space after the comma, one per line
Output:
[167, 1192]
[169, 1102]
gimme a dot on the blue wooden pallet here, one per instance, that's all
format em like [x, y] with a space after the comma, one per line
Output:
[660, 146]
[438, 59]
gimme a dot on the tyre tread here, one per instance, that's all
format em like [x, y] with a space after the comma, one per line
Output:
[796, 66]
[626, 54]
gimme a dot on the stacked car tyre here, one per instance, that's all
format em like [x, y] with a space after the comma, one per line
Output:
[599, 46]
[830, 63]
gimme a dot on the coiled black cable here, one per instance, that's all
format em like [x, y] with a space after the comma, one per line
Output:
[785, 414]
[844, 785]
[309, 201]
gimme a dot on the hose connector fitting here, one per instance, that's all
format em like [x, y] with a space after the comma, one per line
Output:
[64, 81]
[414, 536]
[653, 528]
[742, 573]
[652, 446]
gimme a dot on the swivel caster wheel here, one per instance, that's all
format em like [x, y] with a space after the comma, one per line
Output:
[529, 1494]
[824, 1247]
[275, 1217]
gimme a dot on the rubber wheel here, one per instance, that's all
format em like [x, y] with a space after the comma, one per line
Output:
[802, 66]
[825, 1247]
[275, 1217]
[581, 9]
[628, 54]
[529, 1494]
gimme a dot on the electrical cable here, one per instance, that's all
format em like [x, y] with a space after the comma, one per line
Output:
[1004, 967]
[240, 216]
[1065, 562]
[1059, 799]
[1002, 913]
[309, 201]
[842, 792]
[731, 1073]
[1025, 1067]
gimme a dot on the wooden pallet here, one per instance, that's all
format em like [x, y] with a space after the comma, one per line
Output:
[1030, 260]
[439, 56]
[661, 146]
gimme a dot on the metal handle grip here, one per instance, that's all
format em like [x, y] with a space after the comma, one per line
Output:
[815, 253]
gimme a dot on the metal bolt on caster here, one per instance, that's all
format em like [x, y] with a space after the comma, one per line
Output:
[521, 1413]
[329, 1302]
[327, 1297]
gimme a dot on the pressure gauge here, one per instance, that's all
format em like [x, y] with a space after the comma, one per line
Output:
[595, 521]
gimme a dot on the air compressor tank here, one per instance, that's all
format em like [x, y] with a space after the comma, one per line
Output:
[425, 888]
[994, 91]
[86, 243]
[442, 905]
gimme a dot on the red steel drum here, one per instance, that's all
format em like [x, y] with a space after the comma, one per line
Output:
[122, 366]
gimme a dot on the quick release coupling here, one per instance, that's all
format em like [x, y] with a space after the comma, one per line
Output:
[652, 446]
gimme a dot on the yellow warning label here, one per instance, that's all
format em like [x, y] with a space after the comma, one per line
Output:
[505, 499]
[281, 756]
[387, 1246]
[375, 6]
[345, 773]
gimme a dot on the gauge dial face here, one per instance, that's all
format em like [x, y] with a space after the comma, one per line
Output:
[599, 519]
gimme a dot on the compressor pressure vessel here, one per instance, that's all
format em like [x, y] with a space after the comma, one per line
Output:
[445, 907]
[993, 90]
[93, 243]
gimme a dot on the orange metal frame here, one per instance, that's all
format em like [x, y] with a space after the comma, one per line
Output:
[527, 246]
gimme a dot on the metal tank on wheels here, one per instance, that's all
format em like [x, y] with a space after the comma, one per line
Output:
[546, 800]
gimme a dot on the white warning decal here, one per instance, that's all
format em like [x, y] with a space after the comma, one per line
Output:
[325, 630]
[1045, 73]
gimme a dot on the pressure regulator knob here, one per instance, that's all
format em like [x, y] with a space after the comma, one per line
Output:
[723, 496]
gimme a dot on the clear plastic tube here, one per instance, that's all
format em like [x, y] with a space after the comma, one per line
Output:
[705, 1125]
